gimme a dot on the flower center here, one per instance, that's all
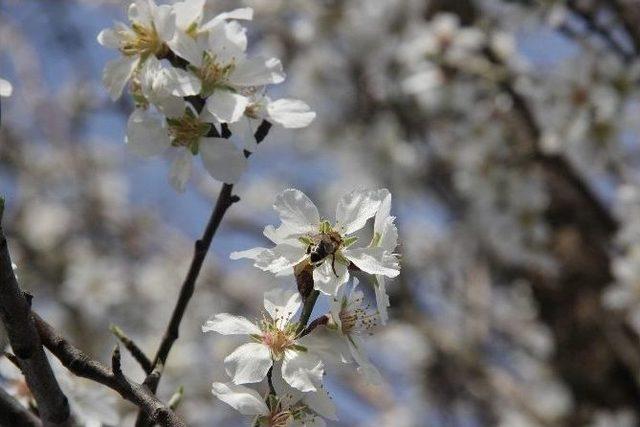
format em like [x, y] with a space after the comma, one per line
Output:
[144, 41]
[187, 130]
[214, 74]
[278, 341]
[356, 319]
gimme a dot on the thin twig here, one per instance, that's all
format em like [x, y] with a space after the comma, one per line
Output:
[133, 348]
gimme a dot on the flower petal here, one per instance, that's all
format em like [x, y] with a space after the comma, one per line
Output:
[245, 14]
[290, 113]
[5, 88]
[187, 48]
[249, 363]
[187, 12]
[182, 83]
[326, 281]
[355, 208]
[227, 106]
[257, 72]
[373, 260]
[302, 370]
[282, 305]
[321, 403]
[181, 170]
[222, 159]
[382, 299]
[280, 258]
[241, 398]
[146, 136]
[117, 73]
[297, 211]
[228, 324]
[164, 21]
[370, 372]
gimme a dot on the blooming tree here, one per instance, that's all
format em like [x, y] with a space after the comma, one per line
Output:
[506, 130]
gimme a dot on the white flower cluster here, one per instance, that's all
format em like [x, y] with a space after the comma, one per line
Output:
[320, 255]
[194, 86]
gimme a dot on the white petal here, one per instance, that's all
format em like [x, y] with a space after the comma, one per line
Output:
[245, 14]
[297, 211]
[282, 305]
[302, 370]
[117, 73]
[355, 208]
[187, 12]
[227, 106]
[281, 258]
[370, 372]
[222, 159]
[320, 402]
[182, 83]
[249, 254]
[382, 299]
[258, 72]
[373, 261]
[290, 113]
[110, 38]
[181, 170]
[146, 136]
[5, 88]
[186, 47]
[140, 11]
[241, 398]
[228, 324]
[282, 234]
[384, 211]
[326, 281]
[164, 21]
[249, 363]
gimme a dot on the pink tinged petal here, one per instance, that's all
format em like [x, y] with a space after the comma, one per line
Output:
[187, 12]
[241, 398]
[290, 113]
[302, 370]
[117, 73]
[222, 159]
[281, 258]
[164, 21]
[282, 305]
[249, 363]
[181, 170]
[326, 281]
[182, 82]
[5, 88]
[373, 261]
[355, 208]
[228, 324]
[227, 106]
[187, 48]
[146, 136]
[297, 211]
[243, 14]
[258, 72]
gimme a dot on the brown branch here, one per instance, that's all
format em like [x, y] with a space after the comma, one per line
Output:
[83, 366]
[15, 310]
[12, 413]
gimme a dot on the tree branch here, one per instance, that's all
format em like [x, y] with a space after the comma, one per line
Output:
[15, 310]
[133, 348]
[12, 413]
[83, 366]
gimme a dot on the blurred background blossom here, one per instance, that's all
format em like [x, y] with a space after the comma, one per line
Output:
[507, 132]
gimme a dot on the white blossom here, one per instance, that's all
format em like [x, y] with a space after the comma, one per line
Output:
[5, 88]
[303, 237]
[275, 339]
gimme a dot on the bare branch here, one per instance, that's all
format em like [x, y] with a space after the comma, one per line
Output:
[133, 348]
[12, 413]
[83, 366]
[15, 311]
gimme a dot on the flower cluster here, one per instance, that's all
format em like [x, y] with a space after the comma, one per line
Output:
[321, 255]
[194, 87]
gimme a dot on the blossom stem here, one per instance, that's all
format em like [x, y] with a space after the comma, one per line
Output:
[307, 308]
